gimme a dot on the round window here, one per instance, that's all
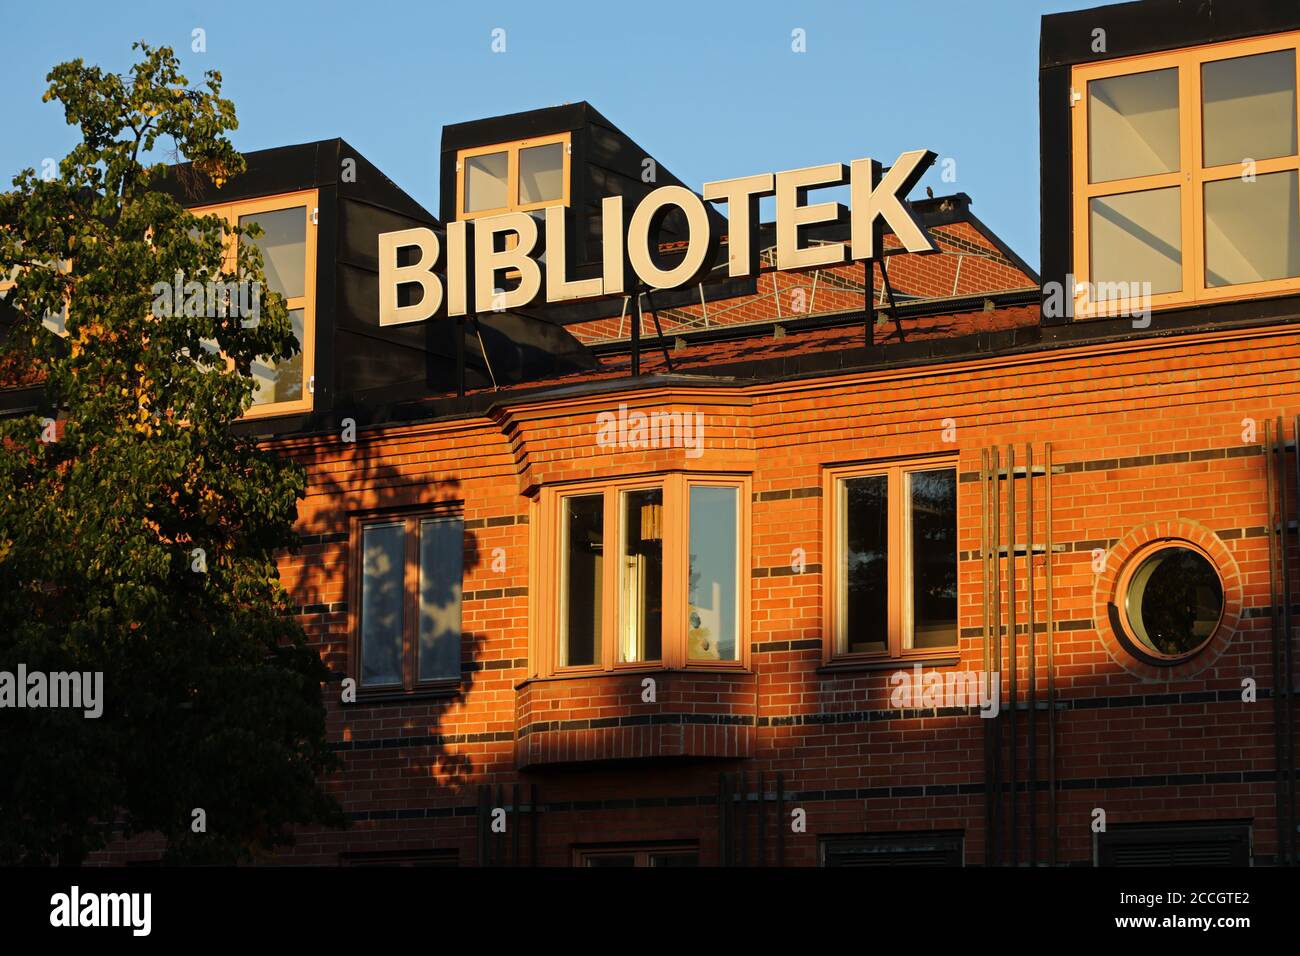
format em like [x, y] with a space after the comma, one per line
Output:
[1173, 602]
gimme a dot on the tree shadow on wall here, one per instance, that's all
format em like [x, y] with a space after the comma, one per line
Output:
[347, 489]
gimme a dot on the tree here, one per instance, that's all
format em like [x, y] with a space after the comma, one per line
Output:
[140, 542]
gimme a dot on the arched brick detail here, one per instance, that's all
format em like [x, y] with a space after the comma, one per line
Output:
[1104, 594]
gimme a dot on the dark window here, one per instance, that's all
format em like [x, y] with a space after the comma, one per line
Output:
[933, 517]
[632, 856]
[584, 545]
[1173, 601]
[409, 623]
[401, 858]
[893, 849]
[1179, 844]
[866, 569]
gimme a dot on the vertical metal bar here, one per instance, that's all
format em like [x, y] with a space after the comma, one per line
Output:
[724, 801]
[762, 818]
[1032, 781]
[636, 337]
[498, 844]
[985, 537]
[1276, 648]
[997, 656]
[1288, 730]
[1290, 662]
[812, 298]
[869, 300]
[1014, 832]
[704, 306]
[744, 818]
[776, 293]
[460, 356]
[516, 822]
[1051, 652]
[780, 818]
[484, 798]
[533, 821]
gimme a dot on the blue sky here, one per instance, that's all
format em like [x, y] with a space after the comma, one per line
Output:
[713, 90]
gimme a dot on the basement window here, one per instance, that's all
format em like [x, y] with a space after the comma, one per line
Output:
[407, 576]
[891, 573]
[288, 247]
[1187, 177]
[638, 856]
[645, 573]
[1171, 602]
[512, 177]
[893, 849]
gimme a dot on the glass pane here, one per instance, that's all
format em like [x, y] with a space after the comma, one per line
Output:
[610, 859]
[284, 249]
[1174, 601]
[485, 182]
[541, 173]
[442, 545]
[675, 858]
[583, 585]
[864, 574]
[1133, 125]
[641, 576]
[713, 575]
[281, 381]
[1252, 233]
[382, 591]
[1248, 106]
[1136, 238]
[932, 539]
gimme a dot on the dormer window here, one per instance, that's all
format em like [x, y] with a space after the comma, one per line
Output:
[512, 177]
[1186, 177]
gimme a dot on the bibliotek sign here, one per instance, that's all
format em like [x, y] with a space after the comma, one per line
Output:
[461, 279]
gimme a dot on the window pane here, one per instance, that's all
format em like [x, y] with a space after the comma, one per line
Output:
[485, 182]
[284, 249]
[932, 540]
[382, 591]
[541, 173]
[442, 545]
[1248, 106]
[1136, 238]
[713, 574]
[281, 381]
[864, 573]
[583, 585]
[1251, 230]
[610, 859]
[1133, 125]
[1174, 601]
[641, 576]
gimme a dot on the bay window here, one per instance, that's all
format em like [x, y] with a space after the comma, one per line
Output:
[645, 572]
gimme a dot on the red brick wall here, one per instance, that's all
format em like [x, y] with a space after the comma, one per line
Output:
[1106, 410]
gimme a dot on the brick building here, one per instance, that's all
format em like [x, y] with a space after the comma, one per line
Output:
[719, 574]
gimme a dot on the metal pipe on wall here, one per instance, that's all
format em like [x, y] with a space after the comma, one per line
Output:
[1014, 832]
[1279, 808]
[1032, 782]
[996, 525]
[1051, 653]
[1289, 729]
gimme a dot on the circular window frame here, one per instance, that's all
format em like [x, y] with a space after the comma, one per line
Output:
[1125, 630]
[1111, 631]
